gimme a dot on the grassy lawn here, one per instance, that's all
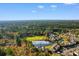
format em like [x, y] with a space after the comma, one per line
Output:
[49, 47]
[36, 38]
[55, 54]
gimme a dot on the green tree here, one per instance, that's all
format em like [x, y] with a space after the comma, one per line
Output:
[9, 52]
[2, 52]
[18, 40]
[1, 36]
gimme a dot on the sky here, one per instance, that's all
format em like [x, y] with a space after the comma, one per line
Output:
[39, 11]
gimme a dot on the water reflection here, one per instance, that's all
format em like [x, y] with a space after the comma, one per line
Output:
[39, 44]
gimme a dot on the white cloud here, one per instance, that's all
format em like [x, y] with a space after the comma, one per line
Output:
[53, 6]
[34, 11]
[40, 6]
[69, 3]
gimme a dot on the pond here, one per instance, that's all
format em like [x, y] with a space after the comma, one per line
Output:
[40, 44]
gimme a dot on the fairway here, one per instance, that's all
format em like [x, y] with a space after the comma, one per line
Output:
[36, 38]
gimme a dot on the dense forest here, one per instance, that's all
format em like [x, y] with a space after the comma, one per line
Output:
[39, 37]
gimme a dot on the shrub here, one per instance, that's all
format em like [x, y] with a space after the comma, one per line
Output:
[9, 52]
[2, 52]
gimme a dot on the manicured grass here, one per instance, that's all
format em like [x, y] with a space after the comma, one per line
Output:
[49, 47]
[36, 38]
[55, 54]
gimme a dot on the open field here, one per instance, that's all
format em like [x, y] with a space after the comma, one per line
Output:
[36, 38]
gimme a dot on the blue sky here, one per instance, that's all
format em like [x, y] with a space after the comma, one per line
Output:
[38, 11]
